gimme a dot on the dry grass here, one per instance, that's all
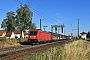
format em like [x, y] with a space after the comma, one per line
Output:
[8, 43]
[76, 50]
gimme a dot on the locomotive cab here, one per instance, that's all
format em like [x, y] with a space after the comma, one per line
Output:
[32, 36]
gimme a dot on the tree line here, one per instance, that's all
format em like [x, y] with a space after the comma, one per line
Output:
[19, 20]
[88, 34]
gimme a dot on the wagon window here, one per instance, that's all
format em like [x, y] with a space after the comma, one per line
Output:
[33, 33]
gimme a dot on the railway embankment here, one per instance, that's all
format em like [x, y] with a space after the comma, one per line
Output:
[88, 45]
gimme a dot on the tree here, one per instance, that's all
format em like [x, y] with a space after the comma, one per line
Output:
[33, 26]
[8, 24]
[23, 18]
[88, 34]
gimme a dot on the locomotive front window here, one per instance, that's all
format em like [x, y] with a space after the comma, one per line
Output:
[33, 33]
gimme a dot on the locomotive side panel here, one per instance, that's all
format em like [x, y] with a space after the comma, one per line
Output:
[45, 36]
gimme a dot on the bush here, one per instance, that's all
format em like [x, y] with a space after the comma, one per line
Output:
[21, 39]
[88, 39]
[2, 38]
[8, 43]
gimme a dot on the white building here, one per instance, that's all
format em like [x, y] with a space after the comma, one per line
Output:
[83, 35]
[17, 33]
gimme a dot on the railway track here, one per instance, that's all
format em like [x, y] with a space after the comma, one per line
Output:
[19, 51]
[12, 49]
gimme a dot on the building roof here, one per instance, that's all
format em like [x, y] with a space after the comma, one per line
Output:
[19, 32]
[83, 33]
[25, 33]
[1, 32]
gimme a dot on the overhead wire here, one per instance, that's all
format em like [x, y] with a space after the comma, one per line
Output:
[29, 6]
[48, 7]
[44, 10]
[42, 13]
[29, 2]
[3, 10]
[18, 1]
[52, 11]
[36, 11]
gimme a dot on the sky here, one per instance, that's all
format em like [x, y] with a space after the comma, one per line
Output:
[53, 12]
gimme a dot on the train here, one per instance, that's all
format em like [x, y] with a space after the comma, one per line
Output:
[39, 36]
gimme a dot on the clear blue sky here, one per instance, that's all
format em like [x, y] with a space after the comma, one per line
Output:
[52, 12]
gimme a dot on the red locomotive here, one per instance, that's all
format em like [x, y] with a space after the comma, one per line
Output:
[38, 36]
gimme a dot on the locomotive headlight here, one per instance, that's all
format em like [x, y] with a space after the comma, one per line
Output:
[34, 36]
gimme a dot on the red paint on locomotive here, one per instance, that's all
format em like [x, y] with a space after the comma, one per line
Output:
[38, 35]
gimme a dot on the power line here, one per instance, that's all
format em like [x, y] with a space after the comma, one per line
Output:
[29, 3]
[3, 10]
[48, 6]
[18, 1]
[41, 15]
[36, 11]
[42, 8]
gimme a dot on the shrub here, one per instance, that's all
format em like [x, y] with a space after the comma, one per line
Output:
[2, 38]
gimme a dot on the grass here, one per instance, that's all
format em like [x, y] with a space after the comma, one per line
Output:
[76, 50]
[8, 43]
[11, 42]
[88, 39]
